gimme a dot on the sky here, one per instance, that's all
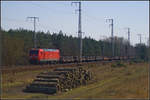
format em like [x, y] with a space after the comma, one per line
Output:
[60, 15]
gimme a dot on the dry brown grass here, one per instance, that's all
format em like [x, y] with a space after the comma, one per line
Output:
[107, 82]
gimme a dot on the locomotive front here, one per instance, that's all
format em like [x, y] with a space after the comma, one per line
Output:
[34, 56]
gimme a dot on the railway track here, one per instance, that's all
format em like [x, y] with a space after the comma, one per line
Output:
[24, 68]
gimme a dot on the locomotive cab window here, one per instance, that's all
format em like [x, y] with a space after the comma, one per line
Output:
[34, 52]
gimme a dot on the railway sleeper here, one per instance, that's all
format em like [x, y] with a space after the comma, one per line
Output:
[43, 89]
[60, 79]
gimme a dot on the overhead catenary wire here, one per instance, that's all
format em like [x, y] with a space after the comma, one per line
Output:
[54, 11]
[51, 9]
[39, 25]
[93, 18]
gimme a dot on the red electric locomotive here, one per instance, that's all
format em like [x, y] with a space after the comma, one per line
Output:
[44, 55]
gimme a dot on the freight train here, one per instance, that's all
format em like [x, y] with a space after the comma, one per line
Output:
[40, 56]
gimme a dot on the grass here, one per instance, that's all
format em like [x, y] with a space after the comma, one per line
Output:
[11, 80]
[107, 82]
[118, 64]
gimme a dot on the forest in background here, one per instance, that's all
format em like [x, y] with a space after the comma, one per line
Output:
[16, 44]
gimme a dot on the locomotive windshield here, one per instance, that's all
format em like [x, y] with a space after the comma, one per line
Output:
[34, 52]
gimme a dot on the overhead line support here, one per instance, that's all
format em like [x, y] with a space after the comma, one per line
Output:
[34, 24]
[79, 30]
